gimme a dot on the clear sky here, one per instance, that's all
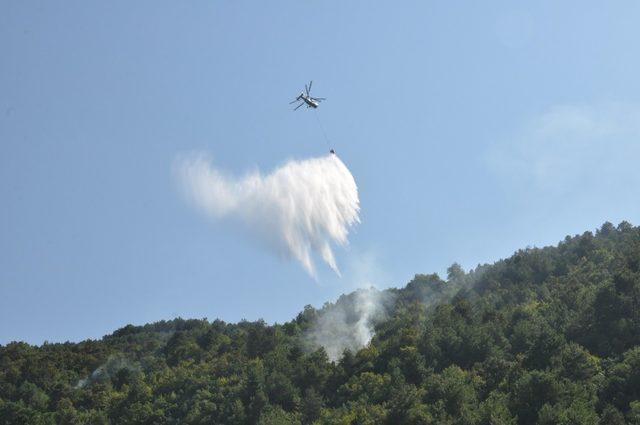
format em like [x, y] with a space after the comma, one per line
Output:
[472, 129]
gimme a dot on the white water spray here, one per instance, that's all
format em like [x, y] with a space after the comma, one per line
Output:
[300, 208]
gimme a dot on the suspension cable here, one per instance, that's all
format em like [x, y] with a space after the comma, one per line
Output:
[324, 133]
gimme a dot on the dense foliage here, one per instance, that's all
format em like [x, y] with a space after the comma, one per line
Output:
[547, 336]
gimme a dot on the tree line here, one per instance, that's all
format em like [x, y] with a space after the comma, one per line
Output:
[547, 336]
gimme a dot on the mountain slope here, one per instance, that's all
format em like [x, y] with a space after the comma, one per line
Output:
[546, 336]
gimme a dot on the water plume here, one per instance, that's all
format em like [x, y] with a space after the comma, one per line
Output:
[300, 208]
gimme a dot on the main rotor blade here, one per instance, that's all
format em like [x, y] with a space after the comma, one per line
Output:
[294, 101]
[310, 83]
[296, 108]
[319, 98]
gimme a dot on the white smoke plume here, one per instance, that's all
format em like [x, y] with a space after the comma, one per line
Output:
[349, 323]
[109, 369]
[300, 208]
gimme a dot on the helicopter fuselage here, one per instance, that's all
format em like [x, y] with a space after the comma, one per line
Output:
[310, 102]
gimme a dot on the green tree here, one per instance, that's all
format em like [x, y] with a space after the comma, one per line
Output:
[312, 405]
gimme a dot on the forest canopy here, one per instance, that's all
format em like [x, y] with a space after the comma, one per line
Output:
[547, 336]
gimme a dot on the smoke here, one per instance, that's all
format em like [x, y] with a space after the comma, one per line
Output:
[349, 323]
[300, 208]
[108, 370]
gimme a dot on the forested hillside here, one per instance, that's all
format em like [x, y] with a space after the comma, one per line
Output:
[547, 336]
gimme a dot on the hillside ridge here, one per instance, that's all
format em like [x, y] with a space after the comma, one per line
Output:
[548, 335]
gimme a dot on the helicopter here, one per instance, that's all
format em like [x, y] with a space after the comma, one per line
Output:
[305, 98]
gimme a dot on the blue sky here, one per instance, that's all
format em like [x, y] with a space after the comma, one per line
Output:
[472, 129]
